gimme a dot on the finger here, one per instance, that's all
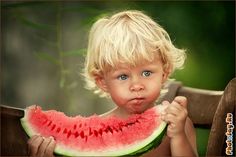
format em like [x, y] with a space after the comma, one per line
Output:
[43, 146]
[178, 111]
[176, 105]
[34, 145]
[181, 100]
[172, 109]
[166, 104]
[182, 111]
[32, 139]
[169, 118]
[50, 148]
[171, 126]
[170, 130]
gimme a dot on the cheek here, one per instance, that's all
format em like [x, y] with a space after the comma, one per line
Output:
[119, 95]
[154, 94]
[154, 90]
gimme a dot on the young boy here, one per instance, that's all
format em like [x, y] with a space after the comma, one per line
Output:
[129, 59]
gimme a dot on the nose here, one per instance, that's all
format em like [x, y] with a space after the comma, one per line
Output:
[137, 87]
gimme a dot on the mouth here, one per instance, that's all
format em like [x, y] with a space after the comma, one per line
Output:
[137, 100]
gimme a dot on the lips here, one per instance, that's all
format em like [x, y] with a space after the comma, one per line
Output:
[138, 100]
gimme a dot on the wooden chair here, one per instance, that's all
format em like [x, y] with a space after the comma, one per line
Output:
[206, 108]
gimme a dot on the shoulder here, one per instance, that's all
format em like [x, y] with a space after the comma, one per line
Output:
[108, 113]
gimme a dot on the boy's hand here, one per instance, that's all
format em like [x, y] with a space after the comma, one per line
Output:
[175, 115]
[41, 147]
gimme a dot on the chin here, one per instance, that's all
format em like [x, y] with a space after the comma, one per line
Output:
[138, 111]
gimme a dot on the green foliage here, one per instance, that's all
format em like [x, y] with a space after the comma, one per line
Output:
[202, 136]
[74, 53]
[46, 56]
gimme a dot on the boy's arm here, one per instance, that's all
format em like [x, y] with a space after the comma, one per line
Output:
[180, 128]
[185, 144]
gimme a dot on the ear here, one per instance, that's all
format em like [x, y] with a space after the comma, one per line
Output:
[164, 77]
[101, 83]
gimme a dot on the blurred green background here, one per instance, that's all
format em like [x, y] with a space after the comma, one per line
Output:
[44, 43]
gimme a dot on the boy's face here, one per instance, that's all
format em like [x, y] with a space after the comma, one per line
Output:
[134, 89]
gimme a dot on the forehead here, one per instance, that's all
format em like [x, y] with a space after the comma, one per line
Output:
[156, 63]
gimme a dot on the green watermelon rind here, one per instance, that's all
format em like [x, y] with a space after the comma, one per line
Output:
[135, 149]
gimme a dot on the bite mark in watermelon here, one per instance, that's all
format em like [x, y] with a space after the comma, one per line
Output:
[96, 135]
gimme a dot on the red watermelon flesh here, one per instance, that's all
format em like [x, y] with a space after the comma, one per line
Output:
[95, 135]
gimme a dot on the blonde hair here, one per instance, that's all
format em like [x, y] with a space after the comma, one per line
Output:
[129, 37]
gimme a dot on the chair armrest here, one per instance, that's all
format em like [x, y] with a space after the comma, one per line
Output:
[13, 137]
[217, 136]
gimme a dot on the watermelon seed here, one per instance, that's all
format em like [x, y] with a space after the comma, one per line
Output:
[129, 124]
[86, 138]
[137, 121]
[75, 126]
[49, 123]
[90, 131]
[109, 128]
[100, 132]
[80, 125]
[44, 122]
[53, 127]
[103, 125]
[132, 123]
[69, 133]
[114, 128]
[58, 130]
[105, 129]
[65, 131]
[82, 134]
[96, 133]
[76, 134]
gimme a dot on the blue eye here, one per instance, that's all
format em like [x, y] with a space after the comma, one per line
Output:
[123, 77]
[146, 73]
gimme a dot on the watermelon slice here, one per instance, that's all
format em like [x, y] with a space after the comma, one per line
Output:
[96, 135]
